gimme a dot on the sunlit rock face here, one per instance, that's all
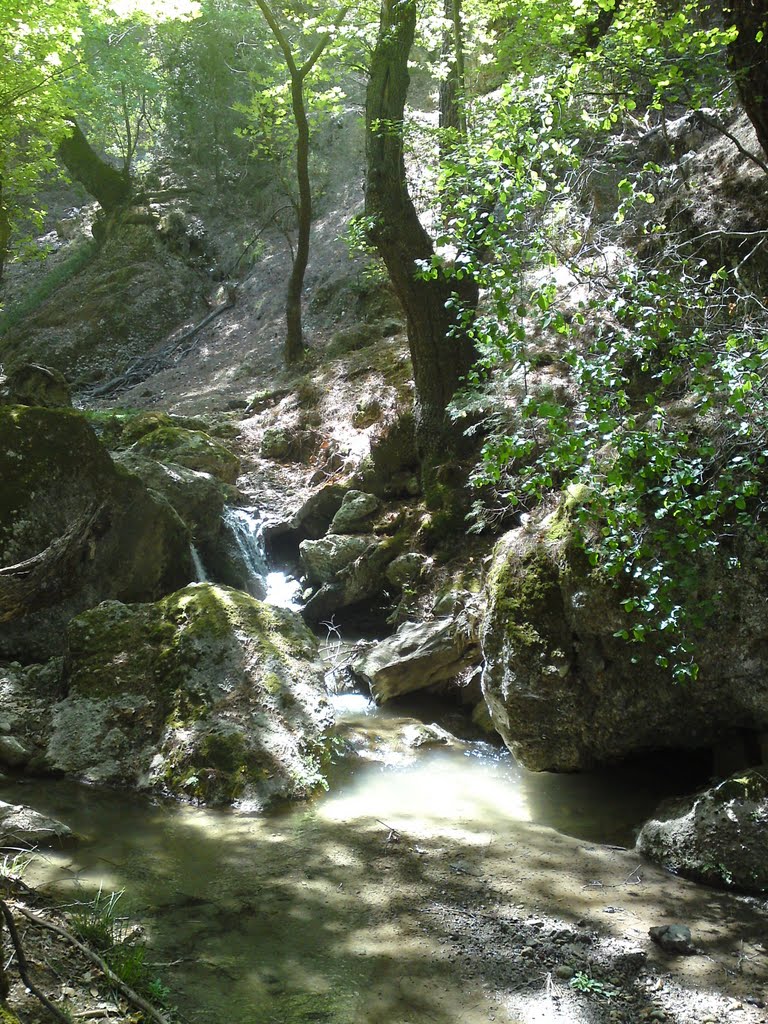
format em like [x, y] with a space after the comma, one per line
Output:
[417, 656]
[566, 694]
[717, 836]
[208, 694]
[75, 529]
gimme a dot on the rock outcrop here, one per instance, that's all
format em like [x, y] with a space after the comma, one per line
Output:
[717, 836]
[418, 655]
[207, 694]
[75, 529]
[566, 693]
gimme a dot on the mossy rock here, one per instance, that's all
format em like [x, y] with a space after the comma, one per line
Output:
[32, 384]
[568, 693]
[207, 694]
[197, 497]
[95, 531]
[191, 448]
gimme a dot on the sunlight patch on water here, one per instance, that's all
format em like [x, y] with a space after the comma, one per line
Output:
[441, 789]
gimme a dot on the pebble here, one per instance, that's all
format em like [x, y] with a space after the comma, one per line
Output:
[565, 972]
[527, 951]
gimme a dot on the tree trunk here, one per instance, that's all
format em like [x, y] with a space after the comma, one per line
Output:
[5, 230]
[294, 342]
[101, 180]
[748, 57]
[452, 88]
[441, 353]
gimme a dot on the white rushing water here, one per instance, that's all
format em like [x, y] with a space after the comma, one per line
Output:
[247, 529]
[201, 576]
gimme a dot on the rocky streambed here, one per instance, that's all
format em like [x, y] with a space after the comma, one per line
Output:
[436, 880]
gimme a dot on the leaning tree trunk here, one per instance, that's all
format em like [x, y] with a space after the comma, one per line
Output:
[748, 57]
[101, 180]
[441, 353]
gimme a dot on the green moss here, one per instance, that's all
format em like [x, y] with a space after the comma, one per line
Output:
[525, 591]
[191, 448]
[7, 1016]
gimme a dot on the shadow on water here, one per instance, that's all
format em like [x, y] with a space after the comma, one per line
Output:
[378, 902]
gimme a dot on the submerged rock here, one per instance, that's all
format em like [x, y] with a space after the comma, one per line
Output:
[75, 529]
[207, 694]
[566, 693]
[21, 826]
[717, 836]
[417, 656]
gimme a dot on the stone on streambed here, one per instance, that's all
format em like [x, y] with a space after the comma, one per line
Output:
[207, 694]
[717, 836]
[566, 693]
[418, 655]
[21, 826]
[75, 529]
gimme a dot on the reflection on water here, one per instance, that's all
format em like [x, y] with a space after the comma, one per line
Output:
[305, 915]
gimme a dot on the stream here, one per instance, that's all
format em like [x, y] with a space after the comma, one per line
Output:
[363, 905]
[308, 914]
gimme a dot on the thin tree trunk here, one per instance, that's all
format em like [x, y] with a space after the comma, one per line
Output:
[450, 91]
[440, 352]
[294, 342]
[5, 230]
[748, 57]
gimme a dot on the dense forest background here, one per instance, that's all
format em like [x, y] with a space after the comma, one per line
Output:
[579, 292]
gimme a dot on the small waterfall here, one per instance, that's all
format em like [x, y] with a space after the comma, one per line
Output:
[201, 576]
[247, 530]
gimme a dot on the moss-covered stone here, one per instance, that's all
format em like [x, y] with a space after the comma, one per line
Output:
[567, 692]
[191, 448]
[206, 694]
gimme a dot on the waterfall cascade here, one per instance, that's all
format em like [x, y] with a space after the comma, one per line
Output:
[247, 530]
[201, 576]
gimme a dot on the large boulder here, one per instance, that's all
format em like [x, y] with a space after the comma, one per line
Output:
[191, 448]
[566, 693]
[197, 497]
[32, 384]
[74, 529]
[356, 513]
[717, 836]
[21, 826]
[418, 655]
[207, 694]
[349, 568]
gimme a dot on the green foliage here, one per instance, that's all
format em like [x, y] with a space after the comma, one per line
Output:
[95, 921]
[584, 982]
[662, 423]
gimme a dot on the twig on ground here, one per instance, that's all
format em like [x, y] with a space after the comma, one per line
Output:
[106, 970]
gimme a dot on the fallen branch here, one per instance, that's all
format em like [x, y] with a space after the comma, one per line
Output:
[21, 960]
[149, 365]
[109, 974]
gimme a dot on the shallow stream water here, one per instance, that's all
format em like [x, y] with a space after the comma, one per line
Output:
[312, 914]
